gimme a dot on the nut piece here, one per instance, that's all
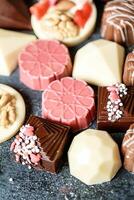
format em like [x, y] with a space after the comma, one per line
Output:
[65, 5]
[60, 24]
[7, 110]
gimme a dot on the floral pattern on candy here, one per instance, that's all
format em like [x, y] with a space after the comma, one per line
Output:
[26, 147]
[114, 103]
[69, 101]
[42, 62]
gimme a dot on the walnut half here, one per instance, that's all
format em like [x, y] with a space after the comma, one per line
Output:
[7, 109]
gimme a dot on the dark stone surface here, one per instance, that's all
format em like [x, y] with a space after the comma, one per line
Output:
[36, 185]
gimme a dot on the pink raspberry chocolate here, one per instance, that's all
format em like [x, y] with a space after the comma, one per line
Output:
[42, 62]
[70, 102]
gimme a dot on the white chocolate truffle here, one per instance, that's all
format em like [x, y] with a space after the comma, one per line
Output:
[94, 157]
[11, 43]
[99, 63]
[41, 31]
[12, 112]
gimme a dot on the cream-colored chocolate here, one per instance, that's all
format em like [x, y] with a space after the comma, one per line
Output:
[99, 63]
[94, 157]
[58, 24]
[128, 75]
[128, 149]
[11, 43]
[12, 112]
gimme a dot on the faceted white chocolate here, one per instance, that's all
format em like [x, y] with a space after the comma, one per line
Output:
[94, 157]
[11, 43]
[99, 63]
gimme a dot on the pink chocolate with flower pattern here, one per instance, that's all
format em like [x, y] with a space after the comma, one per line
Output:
[42, 62]
[70, 102]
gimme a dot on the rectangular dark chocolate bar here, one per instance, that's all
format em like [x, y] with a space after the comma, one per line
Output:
[128, 111]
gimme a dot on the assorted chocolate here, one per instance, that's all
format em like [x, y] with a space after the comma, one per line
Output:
[128, 76]
[128, 149]
[41, 144]
[115, 116]
[69, 103]
[118, 22]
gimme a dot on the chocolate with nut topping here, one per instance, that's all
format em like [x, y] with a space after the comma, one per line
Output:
[51, 142]
[127, 117]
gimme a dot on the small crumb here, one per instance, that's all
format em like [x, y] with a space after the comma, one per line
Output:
[10, 179]
[66, 198]
[29, 167]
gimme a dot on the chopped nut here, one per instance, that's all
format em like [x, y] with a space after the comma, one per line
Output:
[5, 99]
[64, 17]
[7, 110]
[65, 5]
[61, 24]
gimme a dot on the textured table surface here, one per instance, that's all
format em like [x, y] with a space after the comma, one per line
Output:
[19, 183]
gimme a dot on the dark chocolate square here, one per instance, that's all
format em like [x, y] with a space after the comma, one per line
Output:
[54, 139]
[128, 111]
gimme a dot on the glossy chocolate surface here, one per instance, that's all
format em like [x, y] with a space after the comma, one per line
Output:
[102, 116]
[14, 14]
[128, 149]
[53, 139]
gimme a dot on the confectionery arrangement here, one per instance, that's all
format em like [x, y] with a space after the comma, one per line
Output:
[70, 102]
[12, 112]
[86, 157]
[69, 21]
[118, 22]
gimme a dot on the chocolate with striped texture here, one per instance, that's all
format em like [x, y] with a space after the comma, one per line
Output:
[118, 22]
[128, 149]
[128, 76]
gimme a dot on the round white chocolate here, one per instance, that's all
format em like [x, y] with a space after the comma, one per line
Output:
[94, 157]
[84, 33]
[9, 131]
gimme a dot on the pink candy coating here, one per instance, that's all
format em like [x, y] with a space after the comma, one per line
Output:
[35, 158]
[42, 62]
[29, 131]
[114, 96]
[70, 102]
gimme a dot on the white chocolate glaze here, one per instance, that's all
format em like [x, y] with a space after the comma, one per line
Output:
[119, 14]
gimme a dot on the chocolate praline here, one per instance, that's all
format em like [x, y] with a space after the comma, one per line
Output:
[128, 149]
[128, 75]
[126, 119]
[41, 144]
[118, 22]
